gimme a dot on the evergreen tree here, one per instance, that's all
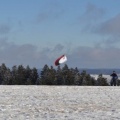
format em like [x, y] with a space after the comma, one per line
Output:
[86, 79]
[21, 80]
[28, 73]
[78, 79]
[34, 76]
[52, 74]
[14, 75]
[3, 70]
[44, 75]
[48, 76]
[89, 80]
[7, 78]
[59, 77]
[65, 74]
[101, 81]
[76, 70]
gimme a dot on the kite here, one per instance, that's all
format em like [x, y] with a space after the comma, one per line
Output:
[60, 60]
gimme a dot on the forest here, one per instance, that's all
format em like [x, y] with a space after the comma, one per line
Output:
[20, 75]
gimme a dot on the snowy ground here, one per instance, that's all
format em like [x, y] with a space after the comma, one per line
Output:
[59, 103]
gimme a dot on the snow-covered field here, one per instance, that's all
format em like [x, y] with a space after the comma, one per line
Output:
[59, 103]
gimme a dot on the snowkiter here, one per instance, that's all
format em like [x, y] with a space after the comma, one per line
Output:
[114, 79]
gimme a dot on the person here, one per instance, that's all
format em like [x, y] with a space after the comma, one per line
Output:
[114, 78]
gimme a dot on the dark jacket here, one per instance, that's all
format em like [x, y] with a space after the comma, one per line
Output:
[114, 76]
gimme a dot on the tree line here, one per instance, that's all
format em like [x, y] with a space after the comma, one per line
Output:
[20, 75]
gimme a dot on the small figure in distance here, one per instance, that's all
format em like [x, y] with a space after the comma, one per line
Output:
[114, 79]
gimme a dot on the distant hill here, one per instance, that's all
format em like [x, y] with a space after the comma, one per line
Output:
[100, 71]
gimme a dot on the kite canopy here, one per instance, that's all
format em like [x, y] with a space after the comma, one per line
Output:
[61, 60]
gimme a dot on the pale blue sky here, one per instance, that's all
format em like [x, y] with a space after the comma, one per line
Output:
[36, 32]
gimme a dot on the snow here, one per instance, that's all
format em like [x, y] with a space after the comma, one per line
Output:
[105, 76]
[59, 103]
[108, 77]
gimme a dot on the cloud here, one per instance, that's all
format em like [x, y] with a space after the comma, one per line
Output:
[13, 54]
[92, 57]
[52, 11]
[42, 17]
[50, 15]
[93, 13]
[110, 30]
[91, 17]
[27, 54]
[4, 29]
[54, 52]
[93, 22]
[58, 48]
[82, 57]
[110, 27]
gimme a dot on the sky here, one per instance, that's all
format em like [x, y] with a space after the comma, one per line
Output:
[37, 32]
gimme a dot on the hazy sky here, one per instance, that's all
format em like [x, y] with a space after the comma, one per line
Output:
[36, 32]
